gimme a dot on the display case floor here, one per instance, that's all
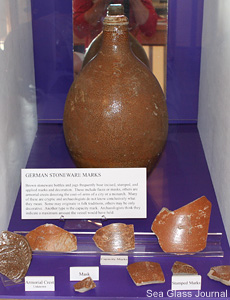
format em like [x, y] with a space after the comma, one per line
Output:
[180, 177]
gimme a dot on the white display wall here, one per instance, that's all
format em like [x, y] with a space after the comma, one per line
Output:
[18, 116]
[214, 99]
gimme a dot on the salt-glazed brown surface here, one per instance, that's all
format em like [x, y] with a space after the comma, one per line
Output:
[85, 285]
[180, 268]
[49, 237]
[115, 114]
[146, 272]
[95, 45]
[15, 254]
[220, 273]
[184, 230]
[115, 238]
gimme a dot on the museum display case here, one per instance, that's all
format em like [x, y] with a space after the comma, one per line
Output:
[180, 177]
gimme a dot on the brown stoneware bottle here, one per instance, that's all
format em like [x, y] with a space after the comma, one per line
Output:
[136, 47]
[115, 113]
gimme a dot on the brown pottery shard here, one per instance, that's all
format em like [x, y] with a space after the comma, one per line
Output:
[220, 273]
[115, 238]
[15, 256]
[180, 268]
[183, 230]
[146, 272]
[84, 285]
[49, 237]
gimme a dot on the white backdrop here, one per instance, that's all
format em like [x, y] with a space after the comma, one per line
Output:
[18, 116]
[214, 99]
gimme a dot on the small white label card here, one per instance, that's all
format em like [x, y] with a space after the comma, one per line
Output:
[186, 282]
[79, 273]
[114, 260]
[39, 283]
[77, 193]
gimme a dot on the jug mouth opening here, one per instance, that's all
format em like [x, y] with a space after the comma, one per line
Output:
[115, 9]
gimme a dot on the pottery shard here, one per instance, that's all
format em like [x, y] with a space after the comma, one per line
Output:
[184, 230]
[49, 237]
[84, 285]
[220, 273]
[15, 256]
[180, 268]
[146, 272]
[115, 238]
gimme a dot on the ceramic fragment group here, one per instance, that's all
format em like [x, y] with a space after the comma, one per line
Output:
[191, 221]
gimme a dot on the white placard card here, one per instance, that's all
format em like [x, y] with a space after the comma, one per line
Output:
[83, 193]
[114, 260]
[39, 283]
[186, 282]
[79, 273]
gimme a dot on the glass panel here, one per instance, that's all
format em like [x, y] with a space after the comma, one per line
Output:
[146, 244]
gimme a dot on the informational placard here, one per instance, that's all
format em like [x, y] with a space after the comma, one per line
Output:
[79, 273]
[114, 260]
[186, 282]
[110, 193]
[39, 283]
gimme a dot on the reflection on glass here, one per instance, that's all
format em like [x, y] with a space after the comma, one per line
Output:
[147, 22]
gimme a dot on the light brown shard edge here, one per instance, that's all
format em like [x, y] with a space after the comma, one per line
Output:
[49, 237]
[184, 230]
[180, 268]
[146, 272]
[84, 285]
[115, 238]
[220, 273]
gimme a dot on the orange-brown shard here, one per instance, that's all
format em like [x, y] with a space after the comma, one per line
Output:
[220, 273]
[184, 230]
[84, 285]
[180, 268]
[49, 237]
[16, 255]
[115, 238]
[146, 272]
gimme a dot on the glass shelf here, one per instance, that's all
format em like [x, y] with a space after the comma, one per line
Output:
[146, 244]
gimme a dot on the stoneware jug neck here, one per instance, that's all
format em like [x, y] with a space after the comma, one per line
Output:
[115, 35]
